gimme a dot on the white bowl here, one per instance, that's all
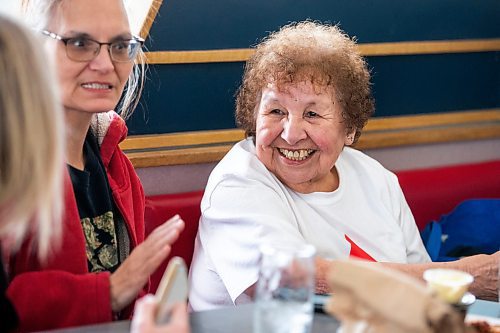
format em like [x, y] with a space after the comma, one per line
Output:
[449, 284]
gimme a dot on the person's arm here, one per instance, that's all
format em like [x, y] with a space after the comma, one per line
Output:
[484, 268]
[323, 267]
[48, 299]
[51, 299]
[231, 235]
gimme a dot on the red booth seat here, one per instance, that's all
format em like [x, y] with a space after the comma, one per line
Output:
[436, 191]
[160, 208]
[429, 192]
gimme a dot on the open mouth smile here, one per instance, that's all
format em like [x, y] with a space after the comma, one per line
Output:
[296, 155]
[97, 86]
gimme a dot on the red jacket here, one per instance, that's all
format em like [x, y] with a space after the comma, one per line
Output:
[61, 292]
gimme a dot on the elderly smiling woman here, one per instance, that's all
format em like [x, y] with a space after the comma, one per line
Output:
[304, 100]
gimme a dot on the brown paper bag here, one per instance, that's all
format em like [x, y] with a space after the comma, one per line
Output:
[368, 297]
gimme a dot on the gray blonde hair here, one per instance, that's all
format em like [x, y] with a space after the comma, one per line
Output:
[40, 12]
[308, 51]
[31, 141]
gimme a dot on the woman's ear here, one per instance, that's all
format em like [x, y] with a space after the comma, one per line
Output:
[349, 138]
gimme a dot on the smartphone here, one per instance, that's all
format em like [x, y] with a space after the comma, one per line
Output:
[173, 288]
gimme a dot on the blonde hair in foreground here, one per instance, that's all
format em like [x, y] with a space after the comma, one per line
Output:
[31, 141]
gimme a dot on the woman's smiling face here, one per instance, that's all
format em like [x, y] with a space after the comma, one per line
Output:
[95, 85]
[300, 134]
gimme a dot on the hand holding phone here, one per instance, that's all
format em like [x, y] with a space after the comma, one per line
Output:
[173, 288]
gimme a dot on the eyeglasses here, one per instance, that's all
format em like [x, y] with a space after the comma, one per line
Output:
[85, 49]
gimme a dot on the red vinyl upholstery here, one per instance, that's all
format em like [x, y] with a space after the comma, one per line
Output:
[429, 192]
[160, 208]
[436, 191]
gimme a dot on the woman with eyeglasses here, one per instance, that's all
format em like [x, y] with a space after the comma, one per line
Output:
[103, 263]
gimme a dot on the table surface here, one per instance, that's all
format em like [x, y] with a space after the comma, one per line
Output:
[239, 319]
[224, 320]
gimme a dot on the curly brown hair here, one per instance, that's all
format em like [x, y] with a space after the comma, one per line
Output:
[308, 51]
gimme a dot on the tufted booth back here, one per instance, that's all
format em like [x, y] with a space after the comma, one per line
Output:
[435, 191]
[160, 208]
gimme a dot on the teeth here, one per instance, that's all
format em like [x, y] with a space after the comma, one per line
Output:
[296, 155]
[96, 86]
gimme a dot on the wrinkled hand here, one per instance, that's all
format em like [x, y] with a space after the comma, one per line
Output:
[143, 321]
[484, 268]
[127, 281]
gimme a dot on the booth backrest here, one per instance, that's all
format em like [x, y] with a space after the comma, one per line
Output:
[160, 208]
[435, 191]
[429, 192]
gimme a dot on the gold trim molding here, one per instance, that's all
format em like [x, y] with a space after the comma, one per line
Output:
[367, 49]
[150, 18]
[385, 132]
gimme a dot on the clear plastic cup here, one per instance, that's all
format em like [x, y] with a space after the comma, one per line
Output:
[285, 290]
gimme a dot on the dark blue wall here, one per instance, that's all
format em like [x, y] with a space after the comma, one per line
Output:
[189, 97]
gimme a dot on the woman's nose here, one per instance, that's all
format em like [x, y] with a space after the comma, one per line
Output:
[103, 60]
[293, 131]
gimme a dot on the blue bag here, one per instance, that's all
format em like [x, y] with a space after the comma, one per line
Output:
[473, 227]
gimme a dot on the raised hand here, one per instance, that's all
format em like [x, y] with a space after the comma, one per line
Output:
[127, 281]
